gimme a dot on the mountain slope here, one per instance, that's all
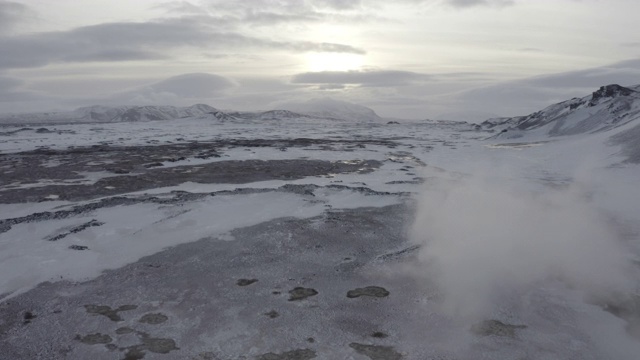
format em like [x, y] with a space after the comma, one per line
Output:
[269, 115]
[607, 108]
[609, 116]
[100, 113]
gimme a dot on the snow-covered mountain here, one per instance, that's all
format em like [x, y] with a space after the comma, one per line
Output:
[270, 115]
[329, 108]
[610, 116]
[103, 114]
[325, 108]
[607, 108]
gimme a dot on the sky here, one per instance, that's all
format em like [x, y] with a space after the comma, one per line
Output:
[418, 59]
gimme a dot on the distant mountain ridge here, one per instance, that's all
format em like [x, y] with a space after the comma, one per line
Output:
[270, 115]
[608, 107]
[328, 108]
[103, 114]
[313, 109]
[144, 113]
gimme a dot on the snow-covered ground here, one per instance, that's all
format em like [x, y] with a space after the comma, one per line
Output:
[477, 246]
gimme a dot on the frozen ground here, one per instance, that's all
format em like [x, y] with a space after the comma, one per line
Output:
[196, 239]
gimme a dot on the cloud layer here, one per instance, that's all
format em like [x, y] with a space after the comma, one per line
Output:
[12, 13]
[462, 59]
[380, 78]
[139, 41]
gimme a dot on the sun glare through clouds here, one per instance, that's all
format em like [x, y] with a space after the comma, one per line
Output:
[333, 62]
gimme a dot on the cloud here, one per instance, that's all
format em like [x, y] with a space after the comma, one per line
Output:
[293, 6]
[179, 7]
[524, 96]
[8, 83]
[12, 13]
[339, 4]
[115, 55]
[471, 3]
[462, 4]
[624, 73]
[14, 98]
[194, 85]
[177, 90]
[331, 87]
[308, 46]
[248, 14]
[272, 18]
[529, 50]
[380, 78]
[127, 41]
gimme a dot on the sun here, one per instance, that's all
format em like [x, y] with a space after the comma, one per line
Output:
[317, 62]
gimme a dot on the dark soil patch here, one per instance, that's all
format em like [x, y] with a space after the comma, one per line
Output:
[153, 319]
[301, 293]
[373, 291]
[495, 328]
[300, 354]
[104, 310]
[246, 282]
[375, 352]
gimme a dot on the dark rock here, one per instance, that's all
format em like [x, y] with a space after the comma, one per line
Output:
[135, 353]
[124, 330]
[495, 328]
[373, 291]
[399, 254]
[94, 339]
[300, 293]
[575, 105]
[374, 352]
[379, 335]
[28, 316]
[300, 354]
[609, 91]
[78, 247]
[76, 229]
[104, 310]
[158, 345]
[153, 319]
[246, 282]
[154, 164]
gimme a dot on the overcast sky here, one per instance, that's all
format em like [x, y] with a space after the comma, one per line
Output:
[460, 59]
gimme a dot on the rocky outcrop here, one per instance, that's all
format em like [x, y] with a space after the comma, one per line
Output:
[609, 91]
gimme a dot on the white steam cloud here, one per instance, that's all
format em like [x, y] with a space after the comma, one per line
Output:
[482, 238]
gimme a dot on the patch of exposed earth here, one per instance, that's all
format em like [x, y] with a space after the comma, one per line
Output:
[46, 174]
[173, 198]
